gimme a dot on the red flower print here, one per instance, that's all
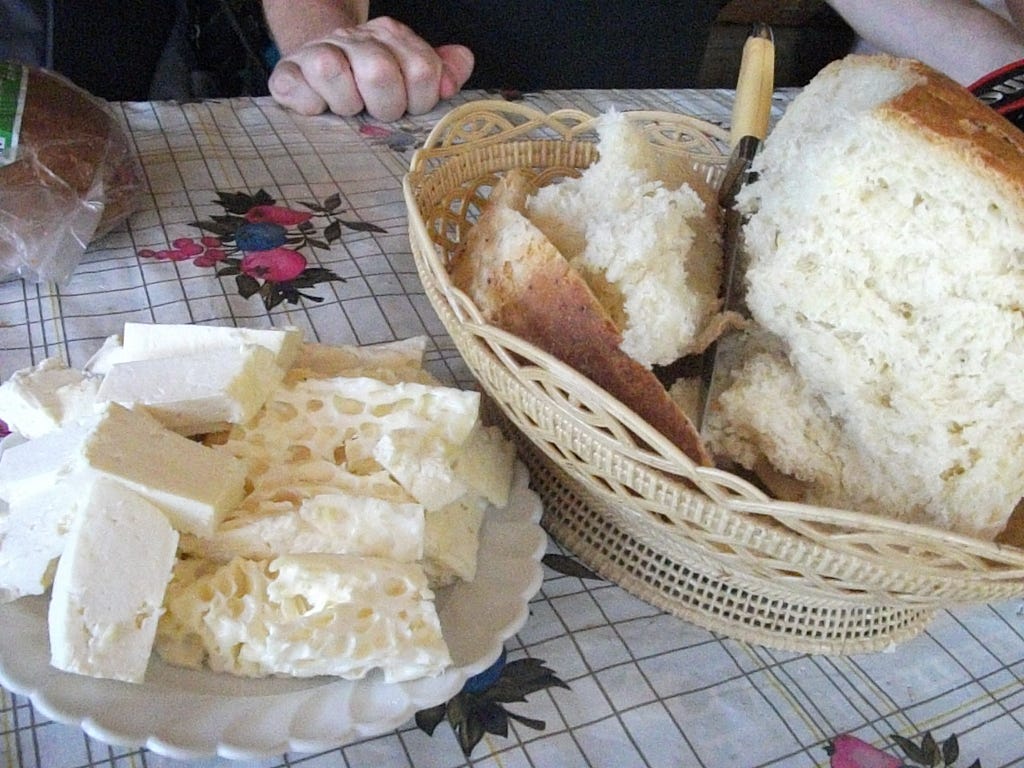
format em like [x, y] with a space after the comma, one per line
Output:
[278, 265]
[850, 752]
[277, 214]
[260, 244]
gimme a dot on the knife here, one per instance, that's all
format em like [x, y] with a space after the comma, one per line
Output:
[750, 115]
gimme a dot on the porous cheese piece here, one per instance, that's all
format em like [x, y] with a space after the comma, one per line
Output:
[341, 420]
[332, 522]
[305, 615]
[453, 540]
[36, 528]
[109, 585]
[390, 362]
[421, 464]
[195, 486]
[486, 463]
[197, 393]
[144, 341]
[45, 397]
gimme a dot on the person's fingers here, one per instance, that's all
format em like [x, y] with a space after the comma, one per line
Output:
[420, 69]
[290, 89]
[381, 66]
[320, 76]
[457, 65]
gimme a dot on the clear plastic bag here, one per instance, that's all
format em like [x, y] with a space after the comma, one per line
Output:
[72, 175]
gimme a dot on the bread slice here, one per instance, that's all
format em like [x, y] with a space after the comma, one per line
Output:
[885, 258]
[523, 284]
[644, 231]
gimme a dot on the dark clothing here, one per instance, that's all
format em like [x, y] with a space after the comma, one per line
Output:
[110, 47]
[535, 44]
[135, 50]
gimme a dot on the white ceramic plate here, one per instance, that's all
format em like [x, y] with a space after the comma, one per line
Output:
[185, 713]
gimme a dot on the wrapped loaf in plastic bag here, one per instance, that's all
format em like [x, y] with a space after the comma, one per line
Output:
[68, 173]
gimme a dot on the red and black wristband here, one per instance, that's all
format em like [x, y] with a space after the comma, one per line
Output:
[1003, 90]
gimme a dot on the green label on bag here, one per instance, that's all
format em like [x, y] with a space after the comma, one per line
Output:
[13, 83]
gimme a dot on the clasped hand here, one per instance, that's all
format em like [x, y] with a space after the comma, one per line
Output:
[380, 66]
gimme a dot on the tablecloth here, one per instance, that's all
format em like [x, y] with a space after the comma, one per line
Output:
[625, 683]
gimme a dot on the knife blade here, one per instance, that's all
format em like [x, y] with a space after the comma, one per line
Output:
[750, 117]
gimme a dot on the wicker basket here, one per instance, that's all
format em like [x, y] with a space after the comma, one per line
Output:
[698, 542]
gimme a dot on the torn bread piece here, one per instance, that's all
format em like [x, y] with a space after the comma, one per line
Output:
[884, 243]
[524, 285]
[644, 230]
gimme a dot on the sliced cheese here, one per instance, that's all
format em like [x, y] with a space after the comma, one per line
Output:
[305, 615]
[109, 585]
[33, 466]
[206, 391]
[145, 341]
[422, 464]
[342, 421]
[36, 529]
[45, 397]
[391, 361]
[333, 522]
[195, 486]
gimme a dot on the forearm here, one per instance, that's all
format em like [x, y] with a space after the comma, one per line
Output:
[293, 23]
[962, 38]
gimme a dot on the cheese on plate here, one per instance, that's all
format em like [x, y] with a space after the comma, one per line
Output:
[304, 615]
[194, 485]
[198, 393]
[331, 521]
[144, 341]
[109, 585]
[36, 527]
[47, 396]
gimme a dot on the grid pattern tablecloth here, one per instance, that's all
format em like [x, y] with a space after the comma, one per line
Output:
[643, 688]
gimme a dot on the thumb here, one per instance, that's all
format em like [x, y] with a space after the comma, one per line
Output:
[457, 65]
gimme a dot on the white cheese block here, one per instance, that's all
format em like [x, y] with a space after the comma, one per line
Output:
[109, 585]
[43, 398]
[333, 522]
[422, 464]
[33, 466]
[36, 529]
[109, 353]
[194, 485]
[196, 393]
[144, 341]
[306, 615]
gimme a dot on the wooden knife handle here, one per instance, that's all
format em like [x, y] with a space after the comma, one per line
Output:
[752, 107]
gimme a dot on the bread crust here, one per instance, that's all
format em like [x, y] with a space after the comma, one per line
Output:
[948, 115]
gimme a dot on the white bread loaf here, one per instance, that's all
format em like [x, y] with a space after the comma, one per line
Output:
[886, 257]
